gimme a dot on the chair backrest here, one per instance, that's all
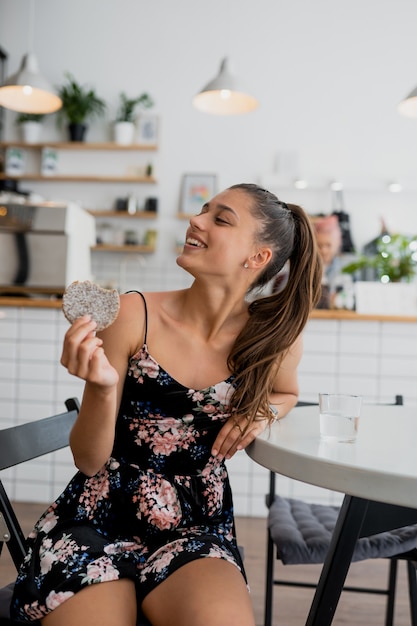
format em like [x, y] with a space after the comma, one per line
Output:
[22, 443]
[34, 439]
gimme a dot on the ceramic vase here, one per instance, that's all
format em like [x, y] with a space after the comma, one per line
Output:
[31, 132]
[124, 133]
[77, 132]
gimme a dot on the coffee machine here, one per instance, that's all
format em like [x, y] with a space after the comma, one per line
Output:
[44, 246]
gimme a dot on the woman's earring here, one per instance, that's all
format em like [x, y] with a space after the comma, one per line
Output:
[246, 266]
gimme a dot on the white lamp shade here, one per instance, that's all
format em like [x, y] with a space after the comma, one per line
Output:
[224, 95]
[28, 91]
[408, 106]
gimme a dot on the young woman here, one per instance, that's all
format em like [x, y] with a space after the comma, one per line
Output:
[174, 387]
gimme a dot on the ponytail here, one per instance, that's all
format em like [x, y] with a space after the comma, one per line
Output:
[277, 320]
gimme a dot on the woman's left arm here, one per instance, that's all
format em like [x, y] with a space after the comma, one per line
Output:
[236, 433]
[285, 391]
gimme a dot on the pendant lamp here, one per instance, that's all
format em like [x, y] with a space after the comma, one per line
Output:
[225, 95]
[27, 91]
[408, 106]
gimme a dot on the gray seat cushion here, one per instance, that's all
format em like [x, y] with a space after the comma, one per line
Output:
[302, 532]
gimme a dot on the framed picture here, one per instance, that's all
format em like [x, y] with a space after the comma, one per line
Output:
[49, 165]
[147, 134]
[15, 161]
[196, 190]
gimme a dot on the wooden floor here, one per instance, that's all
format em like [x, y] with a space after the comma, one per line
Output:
[290, 605]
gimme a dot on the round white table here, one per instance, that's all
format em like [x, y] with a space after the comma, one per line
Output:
[377, 474]
[381, 464]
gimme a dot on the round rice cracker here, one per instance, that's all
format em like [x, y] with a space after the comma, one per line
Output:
[87, 298]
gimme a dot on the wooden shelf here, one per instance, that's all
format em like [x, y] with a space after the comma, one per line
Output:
[78, 178]
[75, 145]
[146, 215]
[104, 247]
[90, 178]
[72, 178]
[184, 216]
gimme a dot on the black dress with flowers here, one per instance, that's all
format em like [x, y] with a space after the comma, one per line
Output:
[161, 500]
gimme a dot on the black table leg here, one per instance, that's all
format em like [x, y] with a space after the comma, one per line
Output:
[337, 563]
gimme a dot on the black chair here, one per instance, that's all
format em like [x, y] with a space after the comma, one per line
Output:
[300, 532]
[19, 444]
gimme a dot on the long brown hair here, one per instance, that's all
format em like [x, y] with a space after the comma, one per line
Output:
[275, 321]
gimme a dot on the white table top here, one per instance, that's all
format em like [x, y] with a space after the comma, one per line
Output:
[381, 465]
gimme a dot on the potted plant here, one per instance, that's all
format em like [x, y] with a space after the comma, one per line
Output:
[124, 126]
[394, 266]
[30, 125]
[79, 103]
[395, 259]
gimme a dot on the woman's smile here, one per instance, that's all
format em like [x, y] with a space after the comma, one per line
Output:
[195, 242]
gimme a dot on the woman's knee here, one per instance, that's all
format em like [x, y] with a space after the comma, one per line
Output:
[110, 603]
[205, 592]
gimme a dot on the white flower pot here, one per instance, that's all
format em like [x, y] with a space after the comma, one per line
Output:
[386, 299]
[124, 133]
[31, 132]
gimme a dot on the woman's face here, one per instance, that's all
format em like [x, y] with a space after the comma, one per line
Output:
[222, 237]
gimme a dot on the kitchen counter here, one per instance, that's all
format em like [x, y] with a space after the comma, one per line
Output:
[53, 302]
[333, 314]
[30, 303]
[31, 297]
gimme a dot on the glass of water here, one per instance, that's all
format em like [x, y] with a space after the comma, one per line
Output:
[339, 416]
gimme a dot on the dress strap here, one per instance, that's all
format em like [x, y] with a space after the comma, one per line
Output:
[146, 311]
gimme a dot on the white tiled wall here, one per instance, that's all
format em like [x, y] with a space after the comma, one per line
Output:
[375, 359]
[34, 385]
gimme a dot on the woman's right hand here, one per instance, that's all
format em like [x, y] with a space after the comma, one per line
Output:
[83, 355]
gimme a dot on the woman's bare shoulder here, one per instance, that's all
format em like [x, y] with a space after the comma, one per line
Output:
[134, 305]
[154, 299]
[128, 329]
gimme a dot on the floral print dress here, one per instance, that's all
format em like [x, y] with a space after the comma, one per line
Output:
[161, 500]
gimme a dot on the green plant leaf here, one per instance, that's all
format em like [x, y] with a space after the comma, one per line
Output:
[29, 117]
[395, 260]
[79, 103]
[127, 106]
